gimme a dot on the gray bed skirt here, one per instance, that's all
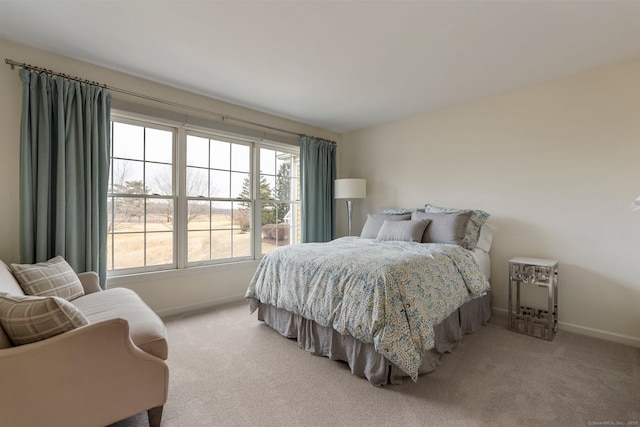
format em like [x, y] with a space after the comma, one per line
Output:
[362, 358]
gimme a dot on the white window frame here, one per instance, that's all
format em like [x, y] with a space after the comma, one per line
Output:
[180, 237]
[257, 213]
[122, 118]
[184, 200]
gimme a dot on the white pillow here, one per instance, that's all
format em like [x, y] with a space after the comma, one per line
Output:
[486, 238]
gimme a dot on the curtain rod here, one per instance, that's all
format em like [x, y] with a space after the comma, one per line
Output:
[223, 117]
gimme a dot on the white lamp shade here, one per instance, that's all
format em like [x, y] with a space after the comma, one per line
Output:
[351, 188]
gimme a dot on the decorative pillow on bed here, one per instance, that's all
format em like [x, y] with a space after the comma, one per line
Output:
[374, 223]
[406, 231]
[51, 278]
[400, 211]
[472, 233]
[445, 227]
[27, 319]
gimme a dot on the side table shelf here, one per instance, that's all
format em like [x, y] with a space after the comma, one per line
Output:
[526, 320]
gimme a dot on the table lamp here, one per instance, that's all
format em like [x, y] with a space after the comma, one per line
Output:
[350, 189]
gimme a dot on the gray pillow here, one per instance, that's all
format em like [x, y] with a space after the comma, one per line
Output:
[406, 231]
[374, 223]
[445, 227]
[472, 234]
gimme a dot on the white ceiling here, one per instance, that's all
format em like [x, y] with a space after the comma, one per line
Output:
[340, 65]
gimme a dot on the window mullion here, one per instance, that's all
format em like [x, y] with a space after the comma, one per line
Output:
[256, 225]
[180, 223]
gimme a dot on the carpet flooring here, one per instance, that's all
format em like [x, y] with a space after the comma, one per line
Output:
[229, 369]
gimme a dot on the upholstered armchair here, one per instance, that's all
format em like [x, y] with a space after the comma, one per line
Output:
[104, 371]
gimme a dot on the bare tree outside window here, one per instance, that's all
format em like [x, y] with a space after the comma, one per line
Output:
[196, 184]
[140, 225]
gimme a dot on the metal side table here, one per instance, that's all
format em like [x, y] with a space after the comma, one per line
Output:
[531, 321]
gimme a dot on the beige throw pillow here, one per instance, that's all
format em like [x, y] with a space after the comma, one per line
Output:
[27, 319]
[53, 278]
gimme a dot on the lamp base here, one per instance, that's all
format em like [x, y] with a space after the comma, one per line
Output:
[350, 213]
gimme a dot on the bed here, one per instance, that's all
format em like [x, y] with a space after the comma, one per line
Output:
[388, 302]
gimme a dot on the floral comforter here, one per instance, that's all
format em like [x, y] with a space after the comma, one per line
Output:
[387, 293]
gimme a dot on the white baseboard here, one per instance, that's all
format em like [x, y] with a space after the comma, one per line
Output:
[206, 304]
[591, 332]
[597, 333]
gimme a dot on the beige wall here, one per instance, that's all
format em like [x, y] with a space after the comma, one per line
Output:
[168, 292]
[556, 164]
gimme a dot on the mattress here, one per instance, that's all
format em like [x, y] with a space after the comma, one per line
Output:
[484, 261]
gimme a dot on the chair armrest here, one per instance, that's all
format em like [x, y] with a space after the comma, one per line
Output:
[93, 375]
[90, 282]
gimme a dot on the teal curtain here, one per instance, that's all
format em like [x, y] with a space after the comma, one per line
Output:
[318, 173]
[64, 171]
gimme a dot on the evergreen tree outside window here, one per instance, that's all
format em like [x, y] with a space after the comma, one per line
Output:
[280, 209]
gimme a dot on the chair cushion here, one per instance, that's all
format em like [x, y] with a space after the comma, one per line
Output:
[51, 278]
[27, 319]
[145, 327]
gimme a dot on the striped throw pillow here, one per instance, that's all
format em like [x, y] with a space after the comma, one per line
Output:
[53, 278]
[27, 319]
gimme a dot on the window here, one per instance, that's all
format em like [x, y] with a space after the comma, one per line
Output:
[141, 201]
[279, 198]
[218, 211]
[180, 198]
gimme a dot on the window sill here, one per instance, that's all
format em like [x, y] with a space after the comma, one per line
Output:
[124, 279]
